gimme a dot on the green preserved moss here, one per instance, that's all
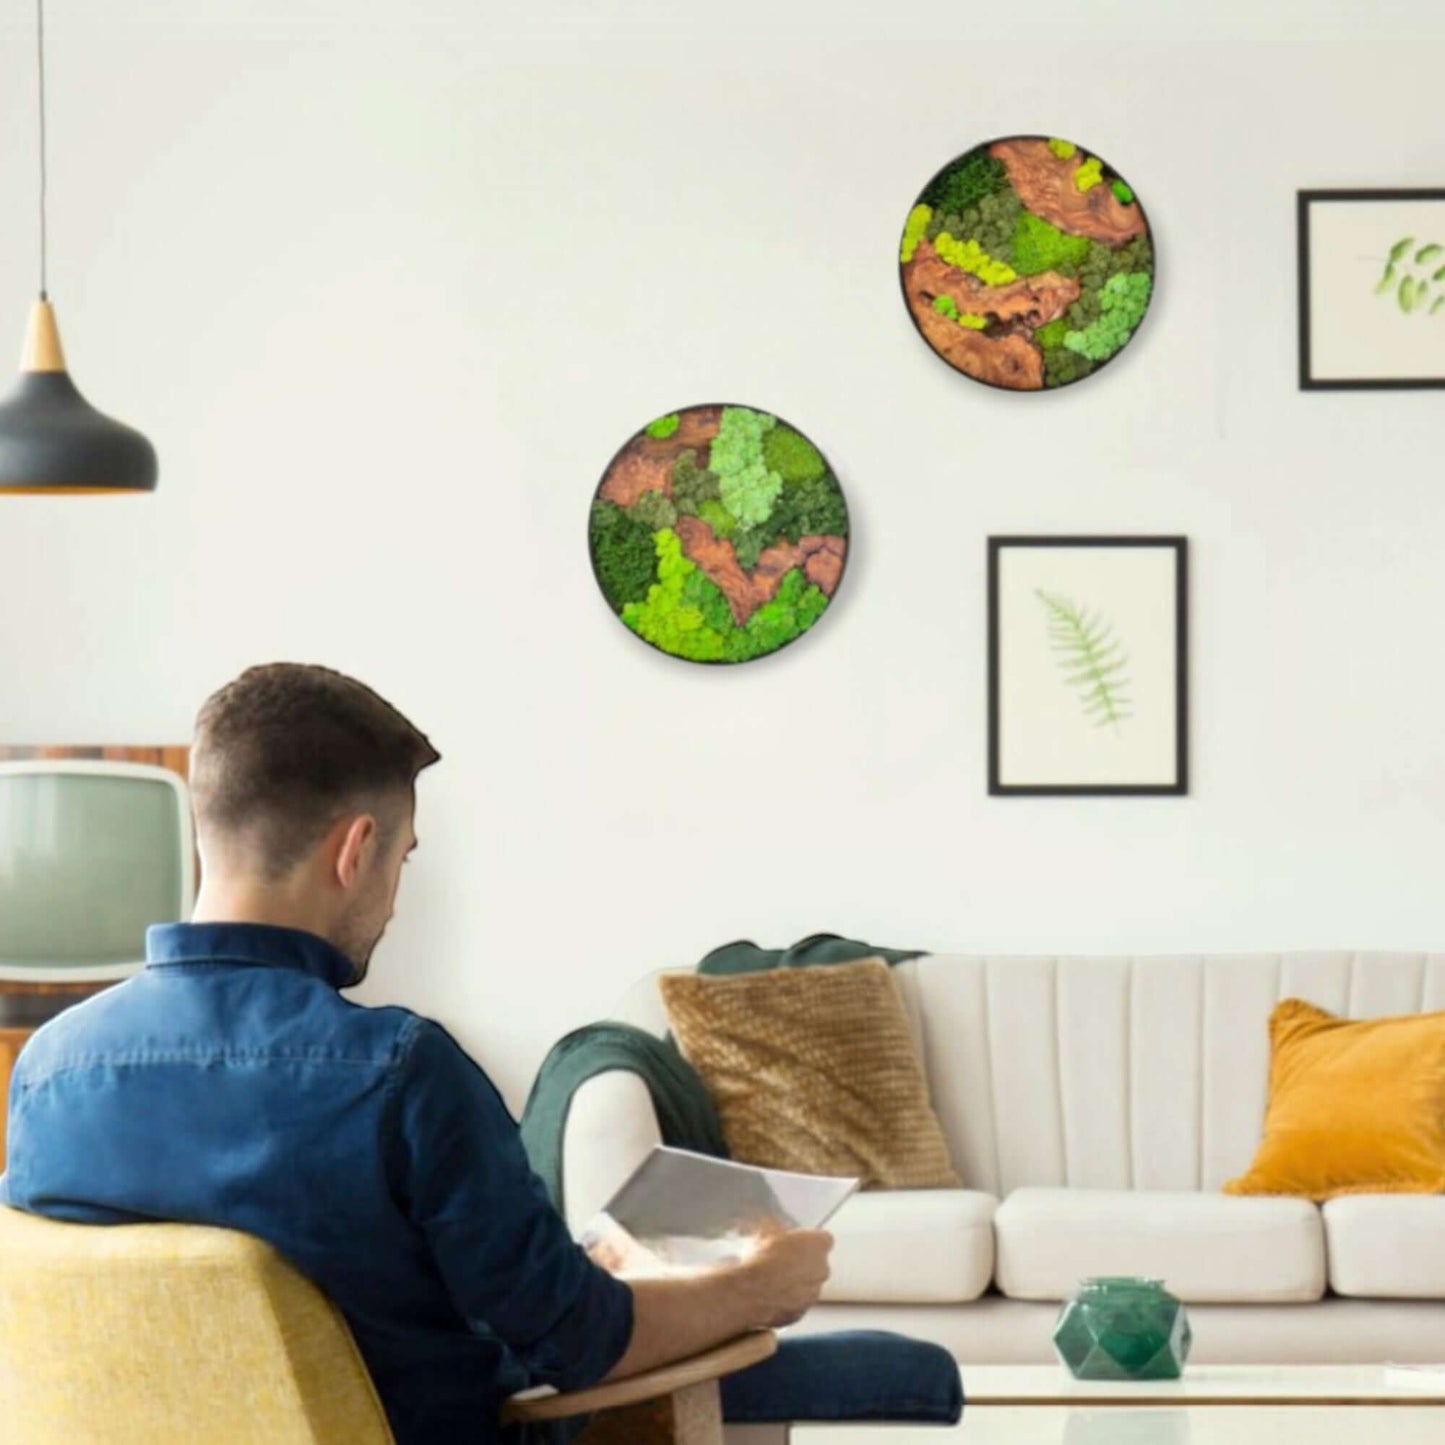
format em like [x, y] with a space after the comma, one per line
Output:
[1052, 333]
[794, 608]
[997, 220]
[1061, 366]
[967, 181]
[946, 306]
[1040, 246]
[1122, 304]
[692, 485]
[1064, 149]
[668, 619]
[664, 426]
[913, 231]
[809, 509]
[791, 455]
[654, 511]
[747, 485]
[1122, 193]
[717, 517]
[623, 554]
[1089, 174]
[969, 256]
[972, 322]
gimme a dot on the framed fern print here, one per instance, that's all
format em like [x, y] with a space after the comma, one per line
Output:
[1088, 665]
[1371, 290]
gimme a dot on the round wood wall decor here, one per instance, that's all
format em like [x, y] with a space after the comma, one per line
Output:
[1027, 263]
[718, 533]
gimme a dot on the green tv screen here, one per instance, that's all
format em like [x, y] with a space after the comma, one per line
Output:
[87, 862]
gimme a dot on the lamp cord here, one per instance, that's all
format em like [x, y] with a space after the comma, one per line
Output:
[40, 66]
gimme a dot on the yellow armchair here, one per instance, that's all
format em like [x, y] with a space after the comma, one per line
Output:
[169, 1334]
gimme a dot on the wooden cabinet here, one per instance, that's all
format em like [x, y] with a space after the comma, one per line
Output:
[11, 1042]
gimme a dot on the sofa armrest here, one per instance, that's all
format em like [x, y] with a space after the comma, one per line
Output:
[724, 1359]
[611, 1128]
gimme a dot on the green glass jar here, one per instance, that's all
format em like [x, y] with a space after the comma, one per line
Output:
[1122, 1328]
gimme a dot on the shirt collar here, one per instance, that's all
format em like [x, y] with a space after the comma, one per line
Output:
[258, 943]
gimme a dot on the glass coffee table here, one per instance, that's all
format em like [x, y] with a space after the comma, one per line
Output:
[1211, 1405]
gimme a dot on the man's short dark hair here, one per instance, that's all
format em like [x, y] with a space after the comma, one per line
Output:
[284, 750]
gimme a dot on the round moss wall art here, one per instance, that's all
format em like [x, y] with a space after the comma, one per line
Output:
[1027, 263]
[719, 533]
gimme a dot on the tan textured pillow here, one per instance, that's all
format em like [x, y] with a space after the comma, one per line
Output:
[813, 1069]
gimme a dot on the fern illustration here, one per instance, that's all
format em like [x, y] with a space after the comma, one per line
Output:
[1412, 287]
[1091, 658]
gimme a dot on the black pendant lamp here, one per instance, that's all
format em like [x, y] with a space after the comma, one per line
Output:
[52, 440]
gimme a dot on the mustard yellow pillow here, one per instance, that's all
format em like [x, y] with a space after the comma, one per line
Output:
[1356, 1106]
[813, 1069]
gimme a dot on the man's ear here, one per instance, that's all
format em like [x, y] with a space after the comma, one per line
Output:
[357, 842]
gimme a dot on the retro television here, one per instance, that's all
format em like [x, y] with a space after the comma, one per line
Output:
[91, 853]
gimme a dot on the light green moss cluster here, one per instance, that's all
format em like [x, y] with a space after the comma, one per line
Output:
[747, 485]
[1064, 149]
[913, 231]
[1089, 174]
[969, 256]
[1122, 304]
[947, 306]
[1122, 193]
[664, 426]
[673, 617]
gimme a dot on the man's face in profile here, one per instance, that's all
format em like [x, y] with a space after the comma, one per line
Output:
[360, 929]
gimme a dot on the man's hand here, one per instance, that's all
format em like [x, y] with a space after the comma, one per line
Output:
[787, 1272]
[776, 1285]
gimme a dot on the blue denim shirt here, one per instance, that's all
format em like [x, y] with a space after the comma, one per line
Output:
[229, 1083]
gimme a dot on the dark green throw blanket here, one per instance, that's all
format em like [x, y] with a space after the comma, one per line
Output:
[685, 1114]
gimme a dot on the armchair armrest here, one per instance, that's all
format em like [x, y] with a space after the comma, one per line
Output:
[669, 1379]
[611, 1128]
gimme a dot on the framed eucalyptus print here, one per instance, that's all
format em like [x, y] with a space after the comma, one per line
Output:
[1371, 290]
[1088, 665]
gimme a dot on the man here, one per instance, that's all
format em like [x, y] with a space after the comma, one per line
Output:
[229, 1083]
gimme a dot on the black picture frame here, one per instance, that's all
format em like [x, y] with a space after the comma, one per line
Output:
[1179, 786]
[1304, 200]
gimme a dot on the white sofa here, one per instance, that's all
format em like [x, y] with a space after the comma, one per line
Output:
[1094, 1106]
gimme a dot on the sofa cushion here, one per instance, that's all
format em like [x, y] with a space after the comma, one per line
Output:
[813, 1069]
[1386, 1246]
[1356, 1106]
[1204, 1246]
[912, 1246]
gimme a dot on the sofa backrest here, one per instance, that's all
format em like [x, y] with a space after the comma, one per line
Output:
[1113, 1072]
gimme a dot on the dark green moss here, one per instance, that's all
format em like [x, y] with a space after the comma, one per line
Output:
[623, 555]
[966, 181]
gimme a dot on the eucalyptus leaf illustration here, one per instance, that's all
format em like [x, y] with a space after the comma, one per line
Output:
[1412, 291]
[1090, 658]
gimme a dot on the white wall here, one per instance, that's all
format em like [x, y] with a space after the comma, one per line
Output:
[387, 283]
